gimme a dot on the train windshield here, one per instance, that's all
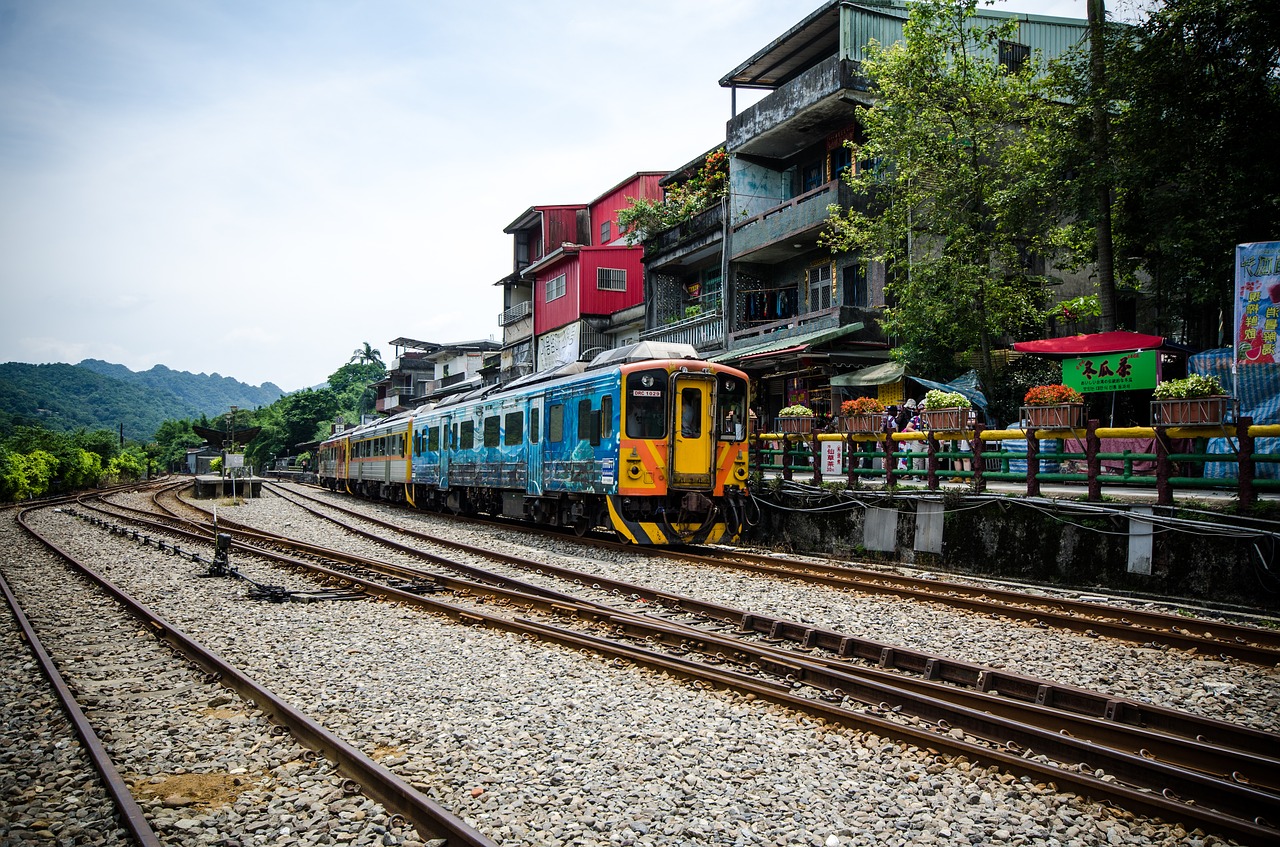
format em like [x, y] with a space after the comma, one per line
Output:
[731, 407]
[646, 401]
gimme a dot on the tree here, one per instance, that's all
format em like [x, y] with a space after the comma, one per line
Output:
[955, 163]
[1195, 129]
[366, 355]
[706, 187]
[352, 383]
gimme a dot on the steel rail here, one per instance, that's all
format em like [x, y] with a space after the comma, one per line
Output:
[129, 812]
[1238, 799]
[377, 782]
[1066, 699]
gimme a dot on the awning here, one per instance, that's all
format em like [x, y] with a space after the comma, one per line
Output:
[1119, 341]
[874, 375]
[790, 344]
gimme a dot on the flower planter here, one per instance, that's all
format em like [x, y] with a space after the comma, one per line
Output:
[955, 419]
[802, 425]
[1058, 416]
[1193, 411]
[862, 423]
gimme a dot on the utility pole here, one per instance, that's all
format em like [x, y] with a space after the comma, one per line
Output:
[1096, 14]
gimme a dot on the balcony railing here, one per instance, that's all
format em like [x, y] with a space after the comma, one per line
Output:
[709, 221]
[515, 313]
[702, 331]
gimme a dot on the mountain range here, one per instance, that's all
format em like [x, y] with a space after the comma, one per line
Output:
[100, 395]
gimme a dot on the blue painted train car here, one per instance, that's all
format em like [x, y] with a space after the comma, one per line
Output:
[653, 447]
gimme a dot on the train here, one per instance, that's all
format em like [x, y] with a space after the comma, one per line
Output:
[648, 440]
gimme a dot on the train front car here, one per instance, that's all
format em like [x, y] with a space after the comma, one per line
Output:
[682, 475]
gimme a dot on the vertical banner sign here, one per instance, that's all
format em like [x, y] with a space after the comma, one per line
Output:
[832, 457]
[1257, 302]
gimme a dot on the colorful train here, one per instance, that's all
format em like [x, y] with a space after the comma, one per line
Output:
[648, 440]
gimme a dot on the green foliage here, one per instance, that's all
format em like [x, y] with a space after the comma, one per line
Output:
[1188, 388]
[128, 466]
[296, 419]
[1005, 400]
[171, 442]
[366, 355]
[352, 384]
[26, 475]
[681, 202]
[796, 411]
[957, 198]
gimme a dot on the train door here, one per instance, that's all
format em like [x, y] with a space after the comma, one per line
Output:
[446, 444]
[533, 446]
[691, 431]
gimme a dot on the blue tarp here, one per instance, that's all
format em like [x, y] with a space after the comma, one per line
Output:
[966, 384]
[1257, 388]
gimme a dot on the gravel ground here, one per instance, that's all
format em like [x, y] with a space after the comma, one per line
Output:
[1224, 689]
[536, 744]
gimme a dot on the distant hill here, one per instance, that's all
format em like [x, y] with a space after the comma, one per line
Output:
[101, 395]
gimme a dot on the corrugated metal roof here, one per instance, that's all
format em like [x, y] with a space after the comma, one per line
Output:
[804, 340]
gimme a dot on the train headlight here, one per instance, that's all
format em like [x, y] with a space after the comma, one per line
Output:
[739, 473]
[633, 471]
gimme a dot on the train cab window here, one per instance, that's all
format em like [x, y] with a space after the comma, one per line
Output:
[606, 417]
[467, 437]
[646, 404]
[731, 407]
[555, 423]
[492, 431]
[691, 412]
[433, 439]
[534, 433]
[513, 429]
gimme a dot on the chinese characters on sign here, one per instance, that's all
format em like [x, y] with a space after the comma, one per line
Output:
[1111, 371]
[1257, 302]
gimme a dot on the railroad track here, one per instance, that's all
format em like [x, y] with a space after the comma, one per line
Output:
[1156, 755]
[135, 656]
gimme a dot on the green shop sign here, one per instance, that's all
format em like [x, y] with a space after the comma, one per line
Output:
[1111, 372]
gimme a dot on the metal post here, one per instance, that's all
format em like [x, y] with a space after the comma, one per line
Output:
[1093, 463]
[1246, 469]
[931, 464]
[1164, 489]
[1033, 464]
[979, 464]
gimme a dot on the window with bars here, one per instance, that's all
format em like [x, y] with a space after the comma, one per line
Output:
[611, 279]
[1013, 55]
[555, 288]
[819, 288]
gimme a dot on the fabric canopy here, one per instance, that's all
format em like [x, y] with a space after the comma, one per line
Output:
[967, 384]
[1119, 341]
[874, 375]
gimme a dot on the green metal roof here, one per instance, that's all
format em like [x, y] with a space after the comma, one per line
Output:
[792, 342]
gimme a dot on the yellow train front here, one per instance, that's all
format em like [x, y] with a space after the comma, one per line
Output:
[682, 452]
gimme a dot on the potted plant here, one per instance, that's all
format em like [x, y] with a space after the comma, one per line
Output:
[1197, 399]
[946, 411]
[862, 414]
[795, 418]
[1053, 407]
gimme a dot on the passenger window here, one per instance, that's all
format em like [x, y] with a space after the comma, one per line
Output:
[433, 439]
[513, 430]
[584, 419]
[492, 431]
[731, 407]
[555, 423]
[467, 437]
[606, 416]
[533, 426]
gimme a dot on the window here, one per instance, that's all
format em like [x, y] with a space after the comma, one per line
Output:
[584, 419]
[513, 429]
[731, 407]
[606, 232]
[492, 431]
[467, 438]
[555, 288]
[819, 288]
[611, 279]
[841, 160]
[1013, 56]
[533, 426]
[555, 423]
[811, 176]
[854, 285]
[433, 439]
[606, 416]
[646, 404]
[691, 412]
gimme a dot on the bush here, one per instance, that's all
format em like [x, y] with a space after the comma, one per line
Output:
[796, 411]
[936, 399]
[861, 406]
[1196, 385]
[1052, 395]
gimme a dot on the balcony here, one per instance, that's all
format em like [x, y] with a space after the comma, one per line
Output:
[800, 112]
[704, 227]
[768, 237]
[704, 332]
[515, 313]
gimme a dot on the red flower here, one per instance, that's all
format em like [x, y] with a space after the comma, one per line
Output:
[1052, 395]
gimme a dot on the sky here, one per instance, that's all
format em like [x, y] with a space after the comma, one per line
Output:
[255, 189]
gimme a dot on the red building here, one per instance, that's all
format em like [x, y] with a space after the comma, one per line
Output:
[587, 295]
